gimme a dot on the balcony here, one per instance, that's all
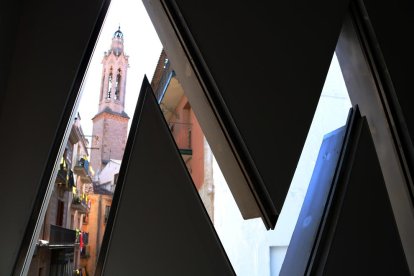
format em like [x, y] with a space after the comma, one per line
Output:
[80, 203]
[164, 77]
[61, 237]
[61, 177]
[64, 179]
[85, 238]
[85, 252]
[82, 170]
[182, 136]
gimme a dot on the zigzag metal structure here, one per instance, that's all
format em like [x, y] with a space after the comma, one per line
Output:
[218, 53]
[346, 209]
[158, 224]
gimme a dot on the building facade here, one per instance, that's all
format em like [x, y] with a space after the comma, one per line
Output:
[61, 240]
[185, 129]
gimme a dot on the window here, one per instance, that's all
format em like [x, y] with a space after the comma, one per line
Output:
[102, 88]
[107, 209]
[59, 215]
[72, 221]
[117, 84]
[108, 96]
[85, 219]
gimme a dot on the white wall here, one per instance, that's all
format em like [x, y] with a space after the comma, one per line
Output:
[248, 244]
[108, 172]
[277, 254]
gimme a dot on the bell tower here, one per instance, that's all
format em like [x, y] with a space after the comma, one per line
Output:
[114, 71]
[110, 124]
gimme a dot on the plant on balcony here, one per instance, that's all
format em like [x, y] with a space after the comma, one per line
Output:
[83, 162]
[76, 199]
[80, 199]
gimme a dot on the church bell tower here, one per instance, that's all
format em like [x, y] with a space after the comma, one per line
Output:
[110, 124]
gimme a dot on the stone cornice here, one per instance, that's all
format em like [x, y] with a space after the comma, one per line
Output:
[109, 112]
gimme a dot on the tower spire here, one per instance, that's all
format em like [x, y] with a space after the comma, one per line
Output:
[114, 71]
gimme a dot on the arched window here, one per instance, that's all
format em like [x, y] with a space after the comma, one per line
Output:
[102, 87]
[117, 84]
[108, 96]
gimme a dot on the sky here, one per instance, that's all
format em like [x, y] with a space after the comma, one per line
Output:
[141, 44]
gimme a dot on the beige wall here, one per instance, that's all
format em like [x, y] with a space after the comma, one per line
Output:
[40, 264]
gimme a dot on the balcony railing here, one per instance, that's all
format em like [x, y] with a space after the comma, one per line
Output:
[83, 240]
[182, 136]
[79, 202]
[61, 237]
[82, 169]
[64, 179]
[85, 251]
[164, 81]
[61, 177]
[85, 237]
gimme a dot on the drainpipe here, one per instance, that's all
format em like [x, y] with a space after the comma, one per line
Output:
[98, 232]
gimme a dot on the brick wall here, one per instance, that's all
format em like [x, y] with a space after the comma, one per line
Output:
[112, 135]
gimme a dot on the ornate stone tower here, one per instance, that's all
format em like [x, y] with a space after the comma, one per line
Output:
[110, 125]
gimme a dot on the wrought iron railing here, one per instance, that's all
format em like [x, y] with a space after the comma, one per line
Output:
[182, 136]
[61, 236]
[82, 168]
[84, 247]
[80, 201]
[83, 163]
[65, 179]
[85, 251]
[164, 81]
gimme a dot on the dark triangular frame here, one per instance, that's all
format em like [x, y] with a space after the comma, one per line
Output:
[212, 252]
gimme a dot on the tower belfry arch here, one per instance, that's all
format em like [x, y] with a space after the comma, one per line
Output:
[110, 124]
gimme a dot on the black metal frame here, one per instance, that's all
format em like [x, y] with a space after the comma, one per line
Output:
[47, 184]
[365, 38]
[372, 89]
[228, 126]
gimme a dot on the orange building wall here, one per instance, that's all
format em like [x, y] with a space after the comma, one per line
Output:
[197, 139]
[185, 115]
[96, 228]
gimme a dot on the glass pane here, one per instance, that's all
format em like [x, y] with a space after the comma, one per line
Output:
[77, 213]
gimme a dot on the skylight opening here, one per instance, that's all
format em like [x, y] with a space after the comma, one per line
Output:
[251, 249]
[78, 210]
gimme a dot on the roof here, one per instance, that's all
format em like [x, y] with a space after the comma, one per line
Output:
[110, 111]
[118, 33]
[99, 189]
[159, 70]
